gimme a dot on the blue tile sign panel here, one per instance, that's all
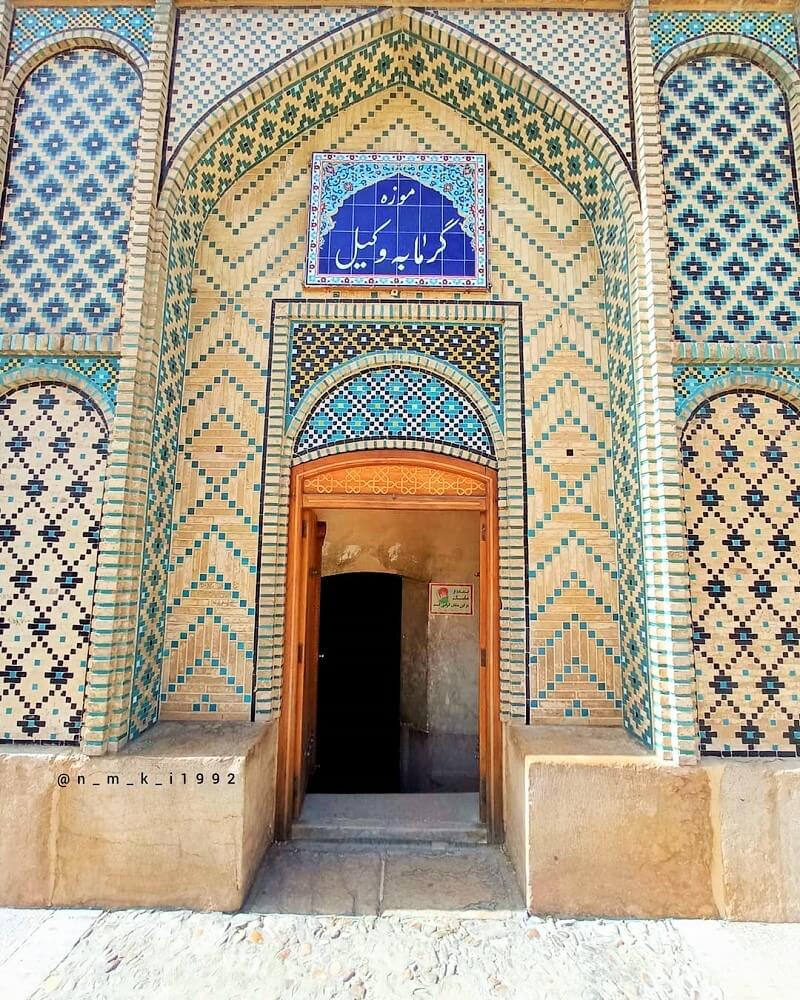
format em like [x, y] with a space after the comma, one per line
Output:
[398, 219]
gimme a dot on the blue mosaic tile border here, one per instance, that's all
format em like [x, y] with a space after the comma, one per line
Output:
[395, 403]
[34, 24]
[101, 372]
[692, 381]
[671, 28]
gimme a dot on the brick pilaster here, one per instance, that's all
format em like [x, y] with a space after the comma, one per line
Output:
[667, 585]
[120, 564]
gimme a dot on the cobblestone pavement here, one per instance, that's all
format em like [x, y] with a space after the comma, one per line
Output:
[436, 932]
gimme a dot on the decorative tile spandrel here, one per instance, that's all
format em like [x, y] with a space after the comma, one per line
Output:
[398, 219]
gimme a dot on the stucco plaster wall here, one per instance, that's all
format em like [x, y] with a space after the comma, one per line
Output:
[439, 655]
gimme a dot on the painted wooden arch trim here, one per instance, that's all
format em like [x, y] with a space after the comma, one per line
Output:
[421, 26]
[65, 41]
[385, 474]
[770, 385]
[397, 359]
[733, 44]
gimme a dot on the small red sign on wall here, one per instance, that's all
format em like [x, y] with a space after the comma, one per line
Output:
[450, 599]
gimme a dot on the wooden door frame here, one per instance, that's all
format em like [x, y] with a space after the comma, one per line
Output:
[484, 501]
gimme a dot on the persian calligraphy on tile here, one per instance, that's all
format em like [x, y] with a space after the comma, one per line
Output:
[398, 219]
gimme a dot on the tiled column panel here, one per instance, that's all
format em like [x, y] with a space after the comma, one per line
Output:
[64, 230]
[53, 450]
[728, 103]
[732, 201]
[668, 623]
[741, 456]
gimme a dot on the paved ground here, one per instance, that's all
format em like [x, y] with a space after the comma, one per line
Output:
[384, 924]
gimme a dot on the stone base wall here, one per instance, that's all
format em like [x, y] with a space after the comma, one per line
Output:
[596, 827]
[88, 831]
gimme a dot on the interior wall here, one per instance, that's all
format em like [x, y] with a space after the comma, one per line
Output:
[439, 660]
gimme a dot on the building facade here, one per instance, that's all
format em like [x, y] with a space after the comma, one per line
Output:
[611, 402]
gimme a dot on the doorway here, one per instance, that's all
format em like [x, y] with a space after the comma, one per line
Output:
[358, 685]
[318, 752]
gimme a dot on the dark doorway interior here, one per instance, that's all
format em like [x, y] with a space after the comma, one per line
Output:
[358, 720]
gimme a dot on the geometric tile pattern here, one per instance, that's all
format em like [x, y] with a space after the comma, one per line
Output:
[671, 28]
[732, 203]
[53, 449]
[741, 471]
[34, 24]
[64, 234]
[318, 348]
[566, 382]
[394, 403]
[99, 371]
[582, 53]
[218, 50]
[474, 104]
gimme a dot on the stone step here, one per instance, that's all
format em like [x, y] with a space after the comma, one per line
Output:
[432, 818]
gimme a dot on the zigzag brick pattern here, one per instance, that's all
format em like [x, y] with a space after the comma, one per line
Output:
[543, 254]
[53, 450]
[344, 86]
[741, 462]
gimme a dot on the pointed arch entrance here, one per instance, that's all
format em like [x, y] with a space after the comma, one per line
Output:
[506, 104]
[399, 480]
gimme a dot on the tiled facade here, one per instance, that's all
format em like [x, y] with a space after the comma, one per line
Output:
[66, 213]
[562, 398]
[582, 53]
[596, 190]
[54, 450]
[571, 518]
[741, 455]
[732, 203]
